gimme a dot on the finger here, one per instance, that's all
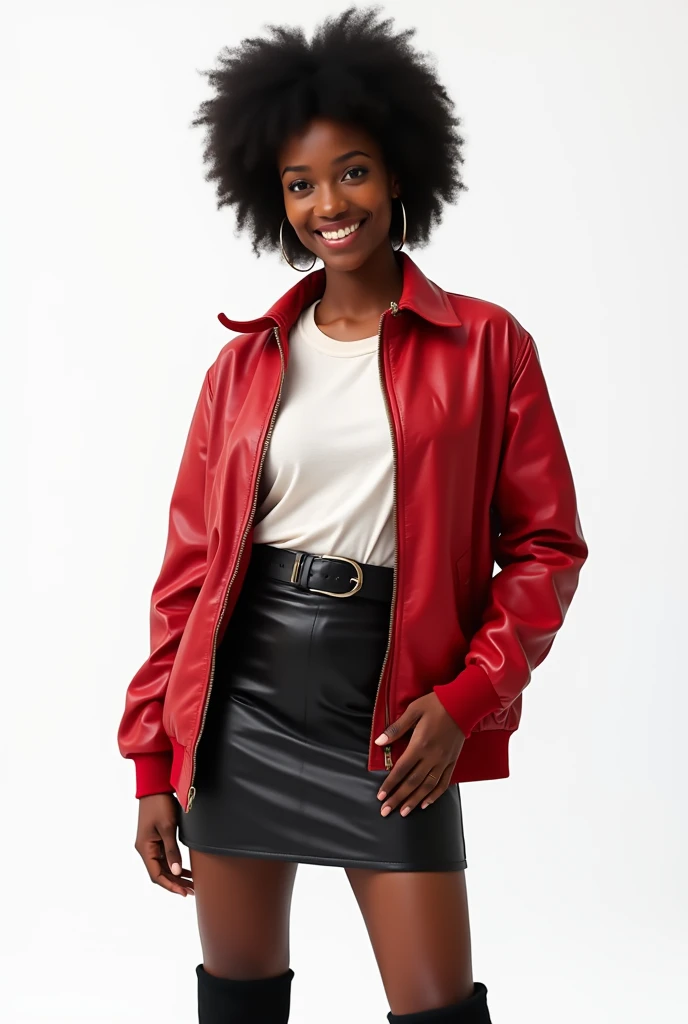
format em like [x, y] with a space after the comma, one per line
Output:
[440, 788]
[184, 876]
[406, 763]
[174, 881]
[167, 882]
[154, 858]
[415, 784]
[168, 834]
[396, 729]
[170, 882]
[414, 798]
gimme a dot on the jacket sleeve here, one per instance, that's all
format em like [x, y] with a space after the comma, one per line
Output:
[540, 551]
[141, 735]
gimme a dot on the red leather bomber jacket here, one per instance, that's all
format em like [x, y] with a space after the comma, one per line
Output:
[481, 476]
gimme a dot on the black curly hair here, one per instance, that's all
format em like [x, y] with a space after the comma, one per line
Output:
[354, 70]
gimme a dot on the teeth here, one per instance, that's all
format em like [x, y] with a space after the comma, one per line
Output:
[342, 233]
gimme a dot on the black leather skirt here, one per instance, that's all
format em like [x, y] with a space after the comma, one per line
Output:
[281, 768]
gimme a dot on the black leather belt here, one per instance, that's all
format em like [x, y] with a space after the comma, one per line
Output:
[333, 575]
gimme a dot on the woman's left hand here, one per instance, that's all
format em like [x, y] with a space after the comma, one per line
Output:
[424, 769]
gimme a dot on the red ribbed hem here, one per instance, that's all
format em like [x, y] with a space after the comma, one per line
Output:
[469, 697]
[153, 773]
[485, 755]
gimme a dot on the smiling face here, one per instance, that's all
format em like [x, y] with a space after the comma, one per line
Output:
[337, 192]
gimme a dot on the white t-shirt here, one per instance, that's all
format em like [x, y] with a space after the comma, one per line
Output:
[327, 484]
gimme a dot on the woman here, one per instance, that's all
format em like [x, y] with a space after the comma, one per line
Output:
[330, 652]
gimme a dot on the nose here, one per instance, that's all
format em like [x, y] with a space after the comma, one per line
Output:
[330, 203]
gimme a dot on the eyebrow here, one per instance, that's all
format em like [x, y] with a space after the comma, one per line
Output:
[337, 160]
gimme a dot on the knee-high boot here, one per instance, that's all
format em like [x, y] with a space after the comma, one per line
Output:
[472, 1010]
[243, 1000]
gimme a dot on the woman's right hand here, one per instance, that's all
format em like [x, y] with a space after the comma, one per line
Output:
[156, 841]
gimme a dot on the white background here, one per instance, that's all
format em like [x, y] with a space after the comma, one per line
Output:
[118, 262]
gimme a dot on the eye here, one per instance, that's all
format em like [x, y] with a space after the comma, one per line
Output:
[299, 181]
[363, 170]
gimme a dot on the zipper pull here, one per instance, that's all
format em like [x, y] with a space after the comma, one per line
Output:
[190, 800]
[394, 306]
[388, 756]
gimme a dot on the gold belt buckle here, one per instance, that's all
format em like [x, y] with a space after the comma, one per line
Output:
[358, 579]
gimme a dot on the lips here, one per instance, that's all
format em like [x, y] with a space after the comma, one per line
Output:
[339, 242]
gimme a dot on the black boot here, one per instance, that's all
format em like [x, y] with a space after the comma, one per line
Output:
[243, 1000]
[472, 1010]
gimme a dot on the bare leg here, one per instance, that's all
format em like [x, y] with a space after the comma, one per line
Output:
[243, 907]
[419, 928]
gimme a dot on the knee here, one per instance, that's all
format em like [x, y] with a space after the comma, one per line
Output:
[242, 965]
[470, 1008]
[418, 996]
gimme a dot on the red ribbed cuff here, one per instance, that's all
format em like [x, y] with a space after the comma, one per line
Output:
[153, 773]
[469, 697]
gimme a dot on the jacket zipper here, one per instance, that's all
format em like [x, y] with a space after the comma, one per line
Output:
[192, 788]
[388, 748]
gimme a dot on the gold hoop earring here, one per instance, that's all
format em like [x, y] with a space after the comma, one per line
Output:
[301, 270]
[403, 237]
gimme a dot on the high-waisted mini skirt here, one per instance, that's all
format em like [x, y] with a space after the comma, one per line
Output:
[281, 764]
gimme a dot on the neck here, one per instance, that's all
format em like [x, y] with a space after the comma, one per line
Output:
[355, 296]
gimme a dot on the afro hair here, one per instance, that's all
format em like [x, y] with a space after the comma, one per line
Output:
[354, 70]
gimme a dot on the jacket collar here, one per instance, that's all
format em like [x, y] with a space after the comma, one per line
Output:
[419, 294]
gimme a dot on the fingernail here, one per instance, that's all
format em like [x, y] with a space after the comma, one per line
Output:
[381, 796]
[382, 738]
[424, 805]
[176, 869]
[385, 811]
[405, 811]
